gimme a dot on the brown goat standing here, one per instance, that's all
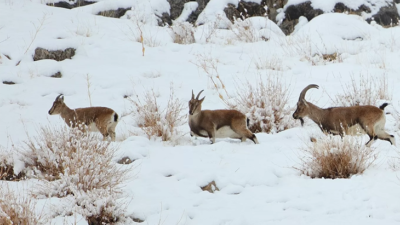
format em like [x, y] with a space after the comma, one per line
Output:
[338, 120]
[100, 119]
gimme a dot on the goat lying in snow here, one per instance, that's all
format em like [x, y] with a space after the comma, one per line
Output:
[100, 119]
[338, 120]
[217, 123]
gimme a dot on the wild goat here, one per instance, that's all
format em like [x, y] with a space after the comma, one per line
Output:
[100, 119]
[217, 123]
[338, 120]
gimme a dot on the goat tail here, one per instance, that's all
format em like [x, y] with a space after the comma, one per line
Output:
[115, 117]
[248, 122]
[382, 107]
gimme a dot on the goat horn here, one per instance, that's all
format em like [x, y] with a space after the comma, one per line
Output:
[304, 91]
[197, 98]
[59, 96]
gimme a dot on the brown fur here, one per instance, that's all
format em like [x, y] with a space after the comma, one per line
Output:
[209, 123]
[338, 120]
[104, 119]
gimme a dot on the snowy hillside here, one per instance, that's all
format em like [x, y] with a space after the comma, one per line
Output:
[258, 184]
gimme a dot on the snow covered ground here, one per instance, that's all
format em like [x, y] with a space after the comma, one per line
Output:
[257, 183]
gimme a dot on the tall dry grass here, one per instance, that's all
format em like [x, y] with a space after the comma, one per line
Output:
[265, 103]
[156, 121]
[364, 90]
[335, 157]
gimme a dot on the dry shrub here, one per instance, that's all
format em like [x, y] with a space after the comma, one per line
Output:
[16, 209]
[265, 104]
[100, 206]
[183, 33]
[78, 165]
[158, 122]
[245, 31]
[336, 157]
[270, 62]
[74, 159]
[366, 90]
[7, 166]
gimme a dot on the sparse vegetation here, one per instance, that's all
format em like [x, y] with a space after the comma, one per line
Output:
[18, 208]
[75, 163]
[363, 90]
[156, 121]
[183, 33]
[336, 157]
[265, 103]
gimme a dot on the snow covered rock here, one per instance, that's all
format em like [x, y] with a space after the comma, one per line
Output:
[58, 55]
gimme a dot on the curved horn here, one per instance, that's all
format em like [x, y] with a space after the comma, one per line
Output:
[59, 96]
[197, 98]
[304, 91]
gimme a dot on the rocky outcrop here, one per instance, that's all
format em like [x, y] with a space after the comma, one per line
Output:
[58, 55]
[67, 5]
[176, 8]
[194, 15]
[293, 13]
[387, 16]
[245, 10]
[114, 13]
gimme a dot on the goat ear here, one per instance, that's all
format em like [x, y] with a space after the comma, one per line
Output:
[201, 100]
[192, 94]
[305, 102]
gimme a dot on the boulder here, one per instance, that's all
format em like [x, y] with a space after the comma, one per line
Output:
[58, 55]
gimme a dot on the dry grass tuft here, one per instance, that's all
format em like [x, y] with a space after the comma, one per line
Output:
[72, 159]
[335, 157]
[158, 122]
[15, 209]
[245, 31]
[183, 33]
[265, 104]
[7, 166]
[365, 90]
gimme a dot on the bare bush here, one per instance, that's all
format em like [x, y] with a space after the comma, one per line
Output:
[74, 159]
[265, 104]
[245, 31]
[365, 90]
[17, 209]
[183, 33]
[7, 166]
[336, 157]
[156, 121]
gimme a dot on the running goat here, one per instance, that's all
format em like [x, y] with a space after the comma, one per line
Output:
[338, 120]
[217, 123]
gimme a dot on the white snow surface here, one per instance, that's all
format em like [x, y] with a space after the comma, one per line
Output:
[258, 183]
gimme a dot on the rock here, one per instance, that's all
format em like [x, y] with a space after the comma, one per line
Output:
[341, 8]
[273, 6]
[245, 10]
[232, 12]
[114, 13]
[58, 55]
[164, 19]
[176, 8]
[125, 160]
[387, 16]
[67, 5]
[194, 15]
[57, 75]
[8, 82]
